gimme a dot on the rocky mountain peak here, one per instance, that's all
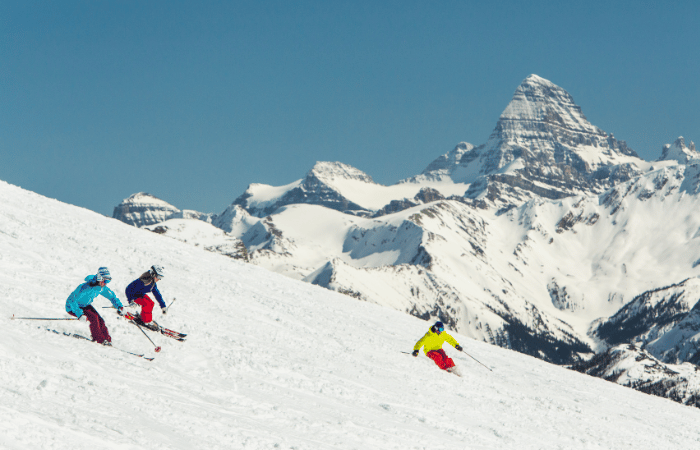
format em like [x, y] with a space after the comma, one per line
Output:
[144, 198]
[542, 145]
[540, 102]
[330, 171]
[678, 151]
[142, 209]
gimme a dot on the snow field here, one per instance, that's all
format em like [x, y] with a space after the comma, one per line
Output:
[270, 362]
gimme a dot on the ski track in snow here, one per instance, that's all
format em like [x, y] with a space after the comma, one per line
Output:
[270, 362]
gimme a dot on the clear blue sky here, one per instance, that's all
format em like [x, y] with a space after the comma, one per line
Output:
[193, 101]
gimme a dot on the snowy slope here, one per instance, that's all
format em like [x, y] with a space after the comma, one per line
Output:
[629, 365]
[547, 268]
[270, 362]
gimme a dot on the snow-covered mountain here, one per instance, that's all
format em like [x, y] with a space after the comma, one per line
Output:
[679, 152]
[533, 279]
[336, 186]
[269, 363]
[143, 209]
[542, 146]
[664, 322]
[529, 241]
[631, 366]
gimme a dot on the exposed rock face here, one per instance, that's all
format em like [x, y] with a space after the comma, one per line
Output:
[662, 183]
[560, 298]
[658, 308]
[631, 366]
[679, 152]
[143, 209]
[664, 321]
[444, 166]
[316, 188]
[542, 146]
[425, 195]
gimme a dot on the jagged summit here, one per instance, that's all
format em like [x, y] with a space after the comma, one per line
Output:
[543, 145]
[679, 152]
[542, 125]
[539, 101]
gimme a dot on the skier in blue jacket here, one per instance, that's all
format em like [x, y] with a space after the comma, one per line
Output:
[79, 304]
[136, 293]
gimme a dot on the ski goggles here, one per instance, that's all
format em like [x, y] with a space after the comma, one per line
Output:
[440, 330]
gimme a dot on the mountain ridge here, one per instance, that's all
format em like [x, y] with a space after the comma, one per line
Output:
[269, 362]
[528, 241]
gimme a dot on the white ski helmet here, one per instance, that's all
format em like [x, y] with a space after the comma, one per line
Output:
[157, 271]
[103, 274]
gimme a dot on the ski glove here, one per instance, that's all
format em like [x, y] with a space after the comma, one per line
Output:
[165, 310]
[415, 353]
[458, 347]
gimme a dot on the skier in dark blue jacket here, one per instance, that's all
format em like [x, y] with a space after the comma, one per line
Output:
[137, 290]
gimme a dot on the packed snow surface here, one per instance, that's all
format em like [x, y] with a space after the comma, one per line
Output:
[270, 362]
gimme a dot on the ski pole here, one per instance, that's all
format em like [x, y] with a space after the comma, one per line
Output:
[171, 304]
[41, 318]
[157, 349]
[476, 360]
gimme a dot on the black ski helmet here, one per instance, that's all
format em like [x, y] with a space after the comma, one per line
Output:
[438, 326]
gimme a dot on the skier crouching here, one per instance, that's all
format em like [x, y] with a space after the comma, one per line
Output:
[432, 341]
[79, 304]
[136, 294]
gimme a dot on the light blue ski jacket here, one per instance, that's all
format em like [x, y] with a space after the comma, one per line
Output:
[84, 294]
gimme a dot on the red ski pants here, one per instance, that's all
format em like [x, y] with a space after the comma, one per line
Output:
[146, 308]
[441, 359]
[98, 329]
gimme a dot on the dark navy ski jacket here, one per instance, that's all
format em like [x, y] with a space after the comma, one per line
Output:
[137, 290]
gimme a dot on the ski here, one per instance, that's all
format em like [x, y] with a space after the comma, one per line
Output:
[164, 331]
[79, 336]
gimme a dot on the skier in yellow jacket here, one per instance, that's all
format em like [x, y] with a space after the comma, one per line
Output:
[432, 343]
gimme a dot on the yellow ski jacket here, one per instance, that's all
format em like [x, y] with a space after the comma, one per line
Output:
[433, 341]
